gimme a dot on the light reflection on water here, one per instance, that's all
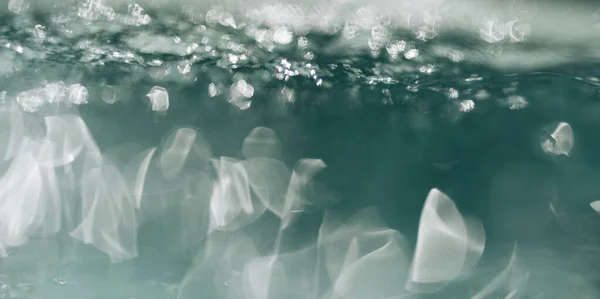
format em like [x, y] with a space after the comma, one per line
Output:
[437, 149]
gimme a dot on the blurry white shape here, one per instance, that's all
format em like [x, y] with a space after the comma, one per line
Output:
[231, 204]
[18, 6]
[193, 215]
[595, 205]
[39, 32]
[109, 94]
[445, 245]
[261, 142]
[395, 48]
[518, 32]
[31, 100]
[78, 94]
[453, 93]
[269, 179]
[364, 259]
[467, 105]
[282, 35]
[109, 221]
[13, 129]
[264, 278]
[560, 140]
[213, 90]
[175, 151]
[66, 136]
[55, 92]
[140, 176]
[159, 98]
[3, 251]
[493, 31]
[303, 173]
[218, 270]
[412, 53]
[516, 102]
[512, 280]
[20, 207]
[242, 88]
[51, 204]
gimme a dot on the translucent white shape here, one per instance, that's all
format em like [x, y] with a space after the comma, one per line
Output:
[512, 280]
[303, 173]
[109, 221]
[139, 180]
[443, 246]
[159, 98]
[78, 94]
[282, 35]
[559, 141]
[109, 94]
[51, 211]
[31, 100]
[264, 278]
[363, 258]
[192, 223]
[595, 205]
[231, 204]
[218, 268]
[269, 179]
[261, 142]
[175, 151]
[66, 136]
[20, 193]
[13, 129]
[18, 6]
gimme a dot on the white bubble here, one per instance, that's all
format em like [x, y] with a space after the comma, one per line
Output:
[282, 36]
[159, 98]
[78, 94]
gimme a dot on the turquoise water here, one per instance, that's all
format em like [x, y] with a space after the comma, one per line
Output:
[331, 150]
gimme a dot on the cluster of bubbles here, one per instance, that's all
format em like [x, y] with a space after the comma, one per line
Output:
[320, 47]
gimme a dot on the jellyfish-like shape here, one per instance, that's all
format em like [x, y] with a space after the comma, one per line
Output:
[447, 245]
[511, 281]
[150, 192]
[265, 278]
[216, 271]
[559, 141]
[66, 136]
[303, 173]
[20, 193]
[261, 142]
[231, 203]
[109, 221]
[183, 147]
[364, 259]
[159, 99]
[13, 128]
[136, 172]
[269, 179]
[188, 222]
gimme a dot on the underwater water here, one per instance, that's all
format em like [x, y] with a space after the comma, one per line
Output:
[263, 149]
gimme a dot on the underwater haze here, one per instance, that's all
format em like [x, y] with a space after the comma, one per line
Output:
[301, 149]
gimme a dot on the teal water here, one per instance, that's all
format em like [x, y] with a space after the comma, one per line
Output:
[170, 149]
